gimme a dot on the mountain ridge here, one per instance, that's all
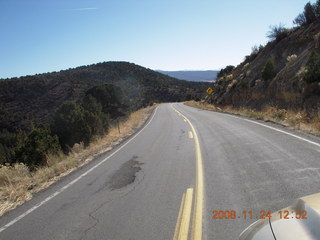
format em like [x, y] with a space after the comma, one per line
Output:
[82, 102]
[18, 95]
[192, 75]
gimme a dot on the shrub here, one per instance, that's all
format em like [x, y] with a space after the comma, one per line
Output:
[91, 104]
[217, 88]
[111, 98]
[94, 114]
[310, 13]
[268, 71]
[292, 57]
[277, 32]
[243, 84]
[317, 8]
[312, 73]
[72, 124]
[300, 20]
[225, 71]
[252, 56]
[38, 145]
[256, 49]
[75, 123]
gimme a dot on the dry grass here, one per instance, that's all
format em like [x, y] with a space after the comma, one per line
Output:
[202, 105]
[17, 183]
[297, 120]
[292, 57]
[232, 84]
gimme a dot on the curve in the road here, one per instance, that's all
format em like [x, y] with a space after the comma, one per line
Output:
[199, 192]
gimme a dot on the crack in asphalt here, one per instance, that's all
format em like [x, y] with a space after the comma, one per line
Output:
[133, 163]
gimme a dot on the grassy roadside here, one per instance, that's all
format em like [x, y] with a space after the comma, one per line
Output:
[294, 120]
[18, 184]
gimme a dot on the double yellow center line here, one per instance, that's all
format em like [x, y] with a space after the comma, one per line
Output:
[182, 226]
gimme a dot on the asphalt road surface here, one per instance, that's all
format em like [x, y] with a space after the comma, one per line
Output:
[167, 180]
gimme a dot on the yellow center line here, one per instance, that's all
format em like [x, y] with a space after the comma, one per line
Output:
[190, 134]
[177, 230]
[199, 191]
[182, 227]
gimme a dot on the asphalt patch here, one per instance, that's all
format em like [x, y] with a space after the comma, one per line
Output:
[126, 174]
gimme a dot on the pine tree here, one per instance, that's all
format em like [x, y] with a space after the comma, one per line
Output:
[268, 71]
[313, 69]
[310, 13]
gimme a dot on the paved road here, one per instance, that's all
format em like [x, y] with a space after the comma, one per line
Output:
[136, 190]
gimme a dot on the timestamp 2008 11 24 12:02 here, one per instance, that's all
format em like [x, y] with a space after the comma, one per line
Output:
[283, 214]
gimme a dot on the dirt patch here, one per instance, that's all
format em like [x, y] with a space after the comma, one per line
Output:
[126, 174]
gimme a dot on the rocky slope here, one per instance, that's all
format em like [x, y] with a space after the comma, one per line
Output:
[245, 86]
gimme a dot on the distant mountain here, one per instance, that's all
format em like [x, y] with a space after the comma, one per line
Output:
[195, 76]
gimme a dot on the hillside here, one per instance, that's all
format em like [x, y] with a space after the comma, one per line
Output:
[40, 95]
[195, 76]
[278, 74]
[75, 105]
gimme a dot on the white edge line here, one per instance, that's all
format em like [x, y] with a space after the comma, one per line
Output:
[74, 181]
[278, 130]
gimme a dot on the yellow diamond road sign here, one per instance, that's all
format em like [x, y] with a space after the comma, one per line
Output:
[209, 91]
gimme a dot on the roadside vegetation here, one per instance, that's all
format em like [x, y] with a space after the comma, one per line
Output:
[52, 123]
[295, 120]
[47, 114]
[310, 14]
[73, 122]
[280, 81]
[269, 71]
[19, 181]
[312, 73]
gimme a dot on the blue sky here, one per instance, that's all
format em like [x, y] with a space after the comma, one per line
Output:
[39, 36]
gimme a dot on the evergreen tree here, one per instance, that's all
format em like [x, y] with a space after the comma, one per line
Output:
[300, 20]
[37, 146]
[268, 71]
[313, 68]
[310, 13]
[71, 124]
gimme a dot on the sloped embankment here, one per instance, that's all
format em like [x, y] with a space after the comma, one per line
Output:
[287, 89]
